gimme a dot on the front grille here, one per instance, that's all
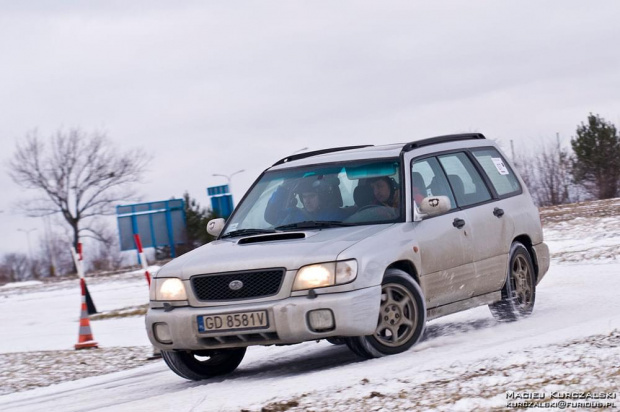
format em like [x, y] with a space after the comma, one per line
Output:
[256, 284]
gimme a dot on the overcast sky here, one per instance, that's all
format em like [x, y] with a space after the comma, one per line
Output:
[216, 86]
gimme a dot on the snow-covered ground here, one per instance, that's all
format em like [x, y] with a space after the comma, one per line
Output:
[45, 316]
[467, 361]
[584, 232]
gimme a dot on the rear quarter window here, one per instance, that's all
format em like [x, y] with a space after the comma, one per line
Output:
[501, 175]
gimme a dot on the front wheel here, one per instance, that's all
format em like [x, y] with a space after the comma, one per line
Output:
[402, 318]
[519, 292]
[200, 365]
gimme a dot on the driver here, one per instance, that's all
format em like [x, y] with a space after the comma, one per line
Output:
[314, 192]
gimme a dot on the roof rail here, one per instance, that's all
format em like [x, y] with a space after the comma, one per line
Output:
[316, 153]
[442, 139]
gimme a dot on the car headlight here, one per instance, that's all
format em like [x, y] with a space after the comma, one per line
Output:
[167, 289]
[321, 275]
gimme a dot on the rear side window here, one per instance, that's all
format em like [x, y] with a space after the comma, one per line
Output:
[466, 182]
[502, 177]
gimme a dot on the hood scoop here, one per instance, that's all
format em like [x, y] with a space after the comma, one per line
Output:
[271, 238]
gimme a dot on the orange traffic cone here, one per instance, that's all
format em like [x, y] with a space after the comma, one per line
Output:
[85, 339]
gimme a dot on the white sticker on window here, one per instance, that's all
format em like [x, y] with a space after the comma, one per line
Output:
[500, 166]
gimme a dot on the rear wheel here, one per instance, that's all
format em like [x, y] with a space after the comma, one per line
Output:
[198, 365]
[519, 292]
[402, 318]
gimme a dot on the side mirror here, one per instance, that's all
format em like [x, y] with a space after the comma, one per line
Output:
[435, 205]
[215, 226]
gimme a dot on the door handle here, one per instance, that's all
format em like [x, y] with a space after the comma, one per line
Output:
[458, 223]
[498, 212]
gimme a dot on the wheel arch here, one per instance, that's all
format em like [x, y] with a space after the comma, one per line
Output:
[527, 242]
[408, 267]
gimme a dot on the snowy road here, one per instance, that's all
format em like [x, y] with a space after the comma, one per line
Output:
[574, 302]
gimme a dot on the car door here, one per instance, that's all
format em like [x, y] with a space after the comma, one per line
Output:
[488, 227]
[445, 246]
[508, 208]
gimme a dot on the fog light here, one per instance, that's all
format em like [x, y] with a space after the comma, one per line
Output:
[162, 333]
[321, 320]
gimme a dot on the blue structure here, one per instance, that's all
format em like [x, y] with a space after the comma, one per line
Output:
[221, 200]
[158, 224]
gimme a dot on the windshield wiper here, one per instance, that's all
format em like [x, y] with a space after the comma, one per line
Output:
[311, 224]
[243, 232]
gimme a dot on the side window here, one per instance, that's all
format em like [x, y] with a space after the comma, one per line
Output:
[428, 179]
[502, 177]
[466, 183]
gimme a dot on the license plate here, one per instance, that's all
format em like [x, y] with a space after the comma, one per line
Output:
[233, 321]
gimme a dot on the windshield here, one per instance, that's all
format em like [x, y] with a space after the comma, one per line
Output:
[320, 196]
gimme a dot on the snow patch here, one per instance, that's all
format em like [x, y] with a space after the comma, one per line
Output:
[14, 285]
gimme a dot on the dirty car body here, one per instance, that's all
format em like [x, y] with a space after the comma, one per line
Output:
[402, 234]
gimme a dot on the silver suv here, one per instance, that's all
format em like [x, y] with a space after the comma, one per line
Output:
[357, 245]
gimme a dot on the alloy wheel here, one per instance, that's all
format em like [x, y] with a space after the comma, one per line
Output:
[398, 315]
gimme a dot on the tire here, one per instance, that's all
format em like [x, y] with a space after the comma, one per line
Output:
[519, 292]
[401, 321]
[336, 341]
[191, 365]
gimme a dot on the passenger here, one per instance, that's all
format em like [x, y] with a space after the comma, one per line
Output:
[315, 194]
[418, 188]
[385, 191]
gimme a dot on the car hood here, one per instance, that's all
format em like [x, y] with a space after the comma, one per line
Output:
[268, 251]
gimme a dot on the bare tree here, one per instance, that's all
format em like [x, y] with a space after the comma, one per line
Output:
[553, 170]
[107, 253]
[525, 165]
[78, 175]
[5, 274]
[16, 267]
[51, 257]
[547, 174]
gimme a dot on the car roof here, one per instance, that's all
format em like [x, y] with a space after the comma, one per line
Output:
[348, 153]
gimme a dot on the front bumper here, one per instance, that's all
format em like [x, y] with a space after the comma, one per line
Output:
[355, 314]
